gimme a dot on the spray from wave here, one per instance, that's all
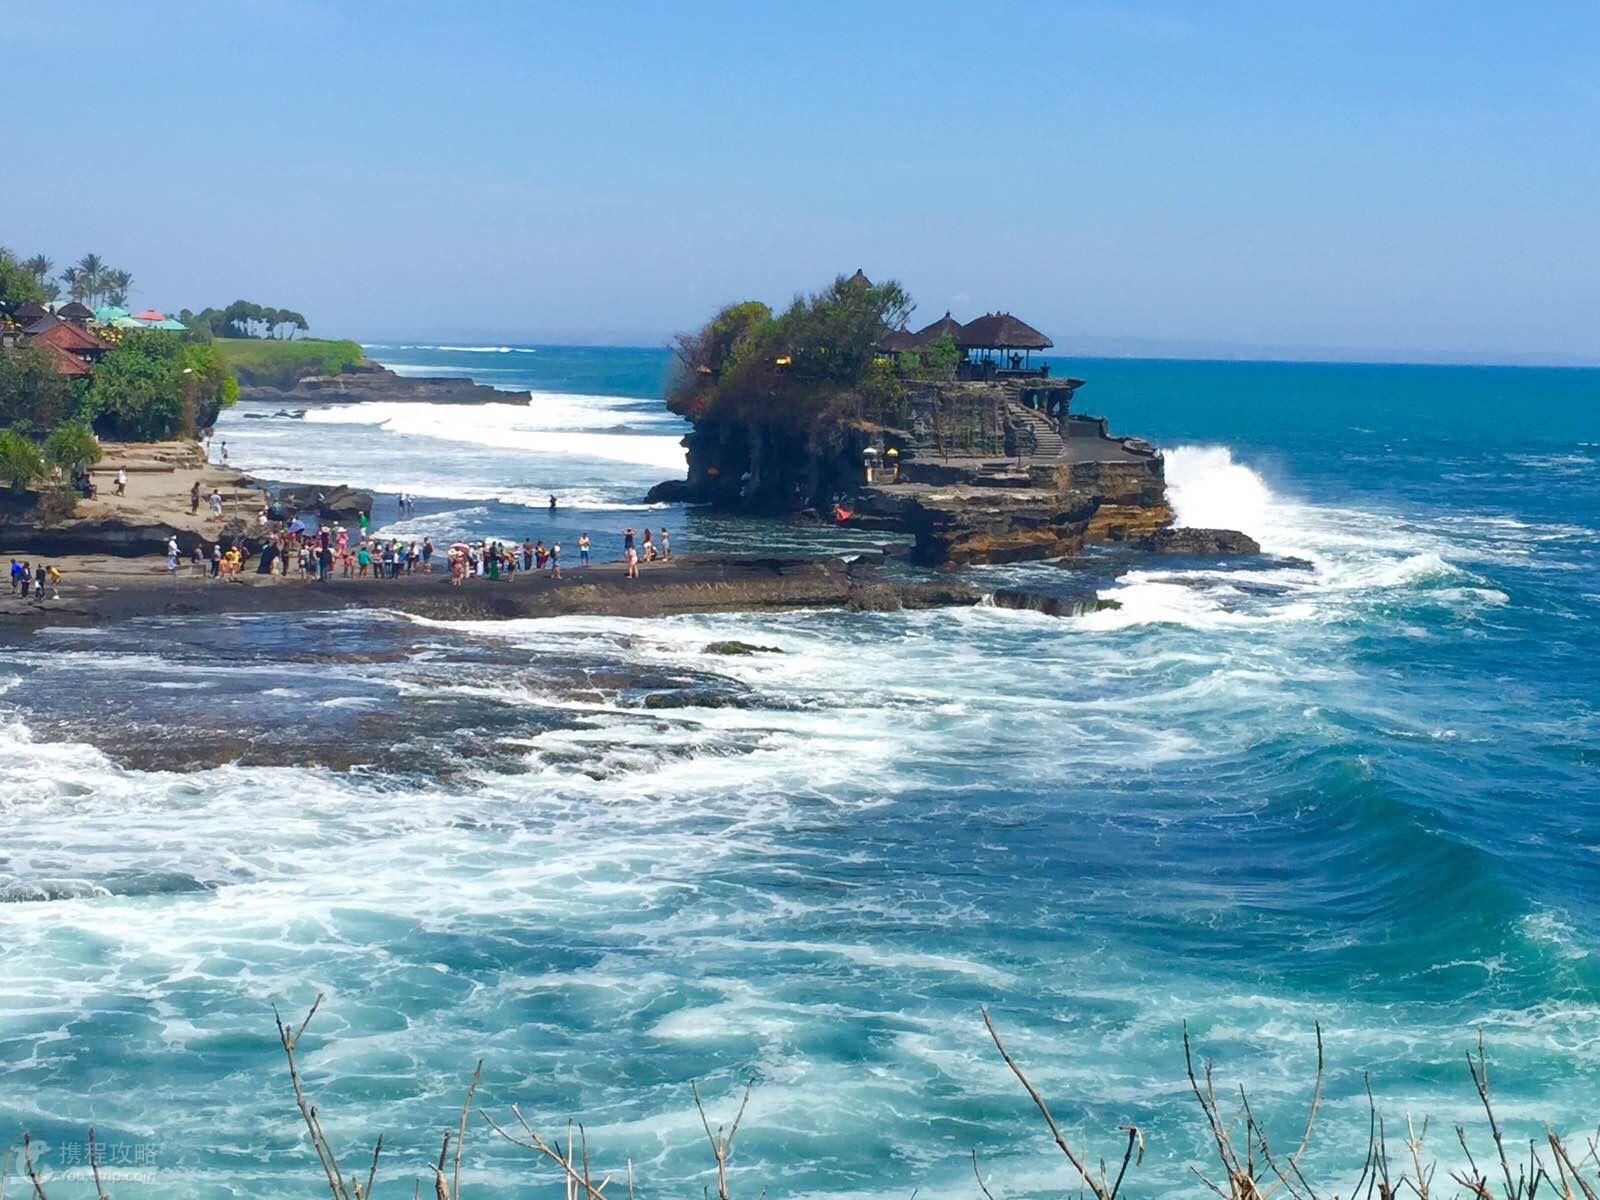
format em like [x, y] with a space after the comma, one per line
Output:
[1341, 556]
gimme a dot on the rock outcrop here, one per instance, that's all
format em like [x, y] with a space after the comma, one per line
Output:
[368, 381]
[339, 503]
[1198, 542]
[962, 526]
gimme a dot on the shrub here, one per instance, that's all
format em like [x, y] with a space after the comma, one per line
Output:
[56, 504]
[71, 447]
[20, 460]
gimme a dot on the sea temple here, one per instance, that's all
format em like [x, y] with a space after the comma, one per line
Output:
[956, 433]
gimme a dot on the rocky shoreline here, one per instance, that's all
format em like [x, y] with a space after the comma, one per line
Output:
[370, 382]
[688, 584]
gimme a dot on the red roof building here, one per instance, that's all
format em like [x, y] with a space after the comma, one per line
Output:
[67, 337]
[64, 363]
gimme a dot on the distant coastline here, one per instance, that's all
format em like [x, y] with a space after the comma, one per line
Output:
[1083, 347]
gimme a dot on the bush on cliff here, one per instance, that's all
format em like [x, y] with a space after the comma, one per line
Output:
[261, 362]
[154, 385]
[816, 358]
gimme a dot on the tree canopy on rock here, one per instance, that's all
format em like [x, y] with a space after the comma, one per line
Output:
[818, 355]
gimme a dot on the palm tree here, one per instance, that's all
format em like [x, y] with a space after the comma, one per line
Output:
[117, 284]
[94, 271]
[76, 287]
[52, 291]
[71, 447]
[39, 265]
[20, 460]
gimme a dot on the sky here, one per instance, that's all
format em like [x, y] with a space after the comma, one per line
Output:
[1387, 180]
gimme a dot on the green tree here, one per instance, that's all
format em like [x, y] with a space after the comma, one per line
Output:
[33, 397]
[76, 285]
[92, 271]
[750, 366]
[71, 447]
[20, 460]
[209, 386]
[18, 283]
[117, 284]
[40, 266]
[936, 362]
[137, 391]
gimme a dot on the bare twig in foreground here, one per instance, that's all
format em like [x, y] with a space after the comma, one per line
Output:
[721, 1146]
[1099, 1187]
[308, 1112]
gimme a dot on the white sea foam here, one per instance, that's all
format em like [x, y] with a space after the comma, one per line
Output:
[563, 428]
[1355, 556]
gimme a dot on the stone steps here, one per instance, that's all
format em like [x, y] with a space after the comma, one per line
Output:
[1047, 442]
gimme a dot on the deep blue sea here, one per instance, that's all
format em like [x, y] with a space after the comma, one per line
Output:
[1356, 782]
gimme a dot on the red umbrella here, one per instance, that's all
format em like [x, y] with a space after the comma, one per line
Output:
[149, 314]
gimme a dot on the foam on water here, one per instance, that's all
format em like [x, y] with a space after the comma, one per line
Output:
[1256, 796]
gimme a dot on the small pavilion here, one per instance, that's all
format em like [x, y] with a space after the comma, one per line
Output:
[945, 325]
[1003, 345]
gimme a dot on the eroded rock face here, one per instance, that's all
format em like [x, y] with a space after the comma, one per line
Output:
[961, 526]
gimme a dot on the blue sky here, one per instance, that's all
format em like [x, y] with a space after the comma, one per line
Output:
[1390, 179]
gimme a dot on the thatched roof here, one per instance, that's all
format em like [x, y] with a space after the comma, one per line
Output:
[859, 277]
[75, 311]
[1001, 331]
[30, 311]
[929, 334]
[896, 341]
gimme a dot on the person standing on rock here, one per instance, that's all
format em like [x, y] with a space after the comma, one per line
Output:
[666, 546]
[361, 519]
[632, 557]
[224, 453]
[583, 549]
[194, 497]
[172, 555]
[216, 504]
[555, 560]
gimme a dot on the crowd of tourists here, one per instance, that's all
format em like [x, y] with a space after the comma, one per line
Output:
[337, 552]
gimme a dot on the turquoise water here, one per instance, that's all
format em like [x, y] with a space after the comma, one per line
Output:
[1356, 782]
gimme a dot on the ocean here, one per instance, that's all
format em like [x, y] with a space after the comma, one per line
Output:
[1355, 783]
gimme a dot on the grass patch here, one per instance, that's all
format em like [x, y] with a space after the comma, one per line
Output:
[265, 362]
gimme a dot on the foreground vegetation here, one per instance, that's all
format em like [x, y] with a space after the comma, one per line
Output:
[281, 363]
[1247, 1165]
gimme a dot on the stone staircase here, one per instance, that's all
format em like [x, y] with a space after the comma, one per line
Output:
[1047, 442]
